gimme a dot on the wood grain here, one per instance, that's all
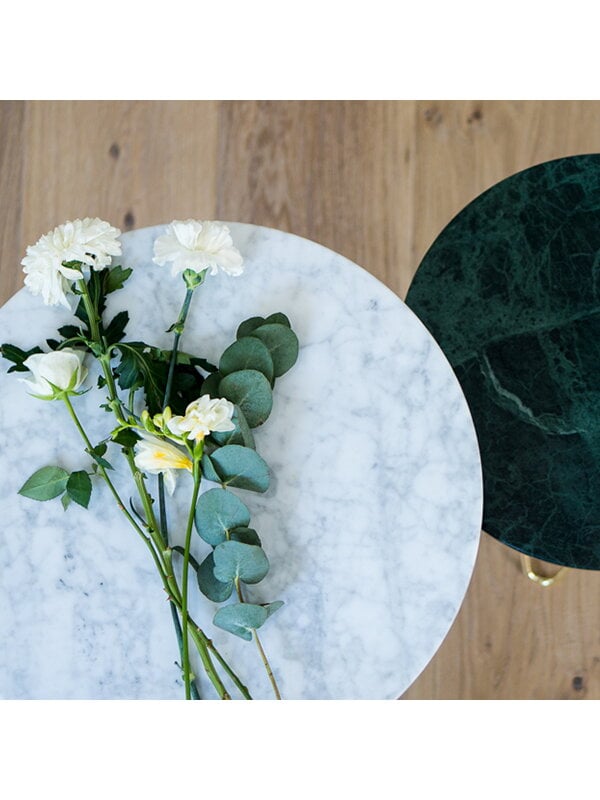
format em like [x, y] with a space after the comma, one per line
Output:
[376, 181]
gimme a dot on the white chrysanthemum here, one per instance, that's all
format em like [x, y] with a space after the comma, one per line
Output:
[64, 369]
[155, 456]
[203, 416]
[196, 245]
[91, 242]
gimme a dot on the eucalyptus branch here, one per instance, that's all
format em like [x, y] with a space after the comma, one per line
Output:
[259, 646]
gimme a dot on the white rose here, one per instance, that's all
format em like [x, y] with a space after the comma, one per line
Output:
[91, 242]
[154, 456]
[198, 246]
[203, 416]
[64, 369]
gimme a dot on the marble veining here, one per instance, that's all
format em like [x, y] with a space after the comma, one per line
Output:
[510, 291]
[371, 523]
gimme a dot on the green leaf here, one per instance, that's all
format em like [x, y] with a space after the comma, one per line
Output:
[218, 512]
[116, 278]
[241, 619]
[115, 330]
[66, 501]
[208, 470]
[211, 384]
[251, 391]
[245, 535]
[97, 452]
[240, 466]
[126, 437]
[13, 353]
[69, 331]
[79, 488]
[247, 353]
[282, 343]
[271, 608]
[278, 318]
[240, 435]
[141, 366]
[237, 560]
[249, 325]
[46, 483]
[215, 590]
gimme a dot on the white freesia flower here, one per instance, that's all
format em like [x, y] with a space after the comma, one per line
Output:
[196, 245]
[203, 416]
[64, 369]
[154, 455]
[92, 242]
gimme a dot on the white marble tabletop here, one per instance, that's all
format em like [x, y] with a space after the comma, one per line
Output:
[371, 523]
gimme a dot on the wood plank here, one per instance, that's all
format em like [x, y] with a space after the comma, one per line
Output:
[337, 172]
[131, 163]
[12, 123]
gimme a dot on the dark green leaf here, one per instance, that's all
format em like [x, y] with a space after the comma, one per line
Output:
[218, 512]
[13, 353]
[282, 343]
[237, 560]
[240, 466]
[240, 619]
[251, 391]
[211, 384]
[215, 590]
[247, 353]
[97, 452]
[249, 325]
[278, 318]
[79, 488]
[115, 331]
[141, 367]
[45, 483]
[69, 331]
[245, 535]
[126, 437]
[115, 279]
[52, 343]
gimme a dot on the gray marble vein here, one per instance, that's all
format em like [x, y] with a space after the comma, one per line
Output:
[371, 523]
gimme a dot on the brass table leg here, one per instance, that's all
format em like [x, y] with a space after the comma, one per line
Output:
[541, 580]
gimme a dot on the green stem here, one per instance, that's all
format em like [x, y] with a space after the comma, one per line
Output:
[178, 328]
[185, 574]
[259, 646]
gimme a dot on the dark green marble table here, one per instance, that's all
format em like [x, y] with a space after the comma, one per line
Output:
[510, 290]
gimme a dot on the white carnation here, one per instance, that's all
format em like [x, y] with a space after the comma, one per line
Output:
[203, 416]
[91, 242]
[198, 246]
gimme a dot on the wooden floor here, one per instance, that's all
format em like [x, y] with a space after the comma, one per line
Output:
[376, 181]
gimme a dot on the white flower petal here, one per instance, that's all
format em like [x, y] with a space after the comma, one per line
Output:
[196, 245]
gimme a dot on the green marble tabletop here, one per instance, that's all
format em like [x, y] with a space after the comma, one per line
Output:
[510, 290]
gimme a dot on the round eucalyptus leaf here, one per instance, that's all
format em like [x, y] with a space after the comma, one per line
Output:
[236, 560]
[251, 391]
[240, 619]
[240, 435]
[249, 325]
[282, 344]
[217, 513]
[271, 608]
[247, 353]
[240, 467]
[278, 318]
[208, 469]
[245, 535]
[215, 590]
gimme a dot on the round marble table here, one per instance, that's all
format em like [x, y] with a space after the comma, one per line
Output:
[371, 523]
[510, 290]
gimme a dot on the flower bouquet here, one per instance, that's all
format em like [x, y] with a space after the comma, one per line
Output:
[172, 415]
